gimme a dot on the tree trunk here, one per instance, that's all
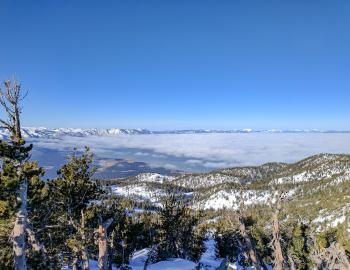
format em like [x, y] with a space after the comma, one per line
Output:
[19, 229]
[291, 262]
[102, 248]
[103, 257]
[33, 241]
[85, 259]
[18, 134]
[75, 264]
[276, 236]
[277, 249]
[84, 253]
[249, 246]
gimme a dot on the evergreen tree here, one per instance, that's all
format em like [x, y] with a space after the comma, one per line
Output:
[19, 178]
[72, 194]
[228, 244]
[178, 236]
[298, 246]
[231, 237]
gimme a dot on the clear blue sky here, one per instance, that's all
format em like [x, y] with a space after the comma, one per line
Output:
[180, 64]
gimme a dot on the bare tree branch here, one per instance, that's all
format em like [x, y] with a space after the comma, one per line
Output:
[10, 99]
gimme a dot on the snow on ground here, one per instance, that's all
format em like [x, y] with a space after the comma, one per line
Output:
[209, 260]
[137, 262]
[326, 171]
[173, 264]
[330, 219]
[337, 221]
[138, 259]
[93, 266]
[154, 177]
[141, 192]
[224, 199]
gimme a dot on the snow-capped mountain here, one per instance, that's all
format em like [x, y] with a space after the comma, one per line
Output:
[43, 132]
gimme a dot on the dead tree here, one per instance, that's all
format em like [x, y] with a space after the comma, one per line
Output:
[248, 244]
[103, 243]
[276, 246]
[10, 99]
[331, 258]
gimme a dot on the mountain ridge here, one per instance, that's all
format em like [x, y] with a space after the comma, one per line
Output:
[43, 132]
[319, 182]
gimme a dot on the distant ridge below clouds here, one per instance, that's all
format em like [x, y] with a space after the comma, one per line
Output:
[42, 132]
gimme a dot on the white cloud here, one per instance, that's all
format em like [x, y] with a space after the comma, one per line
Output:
[142, 154]
[209, 150]
[194, 161]
[170, 166]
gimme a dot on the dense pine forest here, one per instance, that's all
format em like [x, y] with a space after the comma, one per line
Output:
[74, 219]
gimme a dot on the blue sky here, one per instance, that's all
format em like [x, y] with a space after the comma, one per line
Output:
[180, 64]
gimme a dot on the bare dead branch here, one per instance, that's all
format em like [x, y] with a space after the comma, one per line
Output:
[10, 99]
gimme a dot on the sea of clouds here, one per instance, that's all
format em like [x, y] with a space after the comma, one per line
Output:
[203, 152]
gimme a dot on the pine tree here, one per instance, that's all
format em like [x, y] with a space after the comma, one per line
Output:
[17, 176]
[72, 194]
[298, 248]
[177, 229]
[228, 243]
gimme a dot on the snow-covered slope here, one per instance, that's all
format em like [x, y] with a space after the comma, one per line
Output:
[318, 182]
[319, 167]
[230, 175]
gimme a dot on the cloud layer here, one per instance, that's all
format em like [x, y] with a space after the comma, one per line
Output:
[200, 152]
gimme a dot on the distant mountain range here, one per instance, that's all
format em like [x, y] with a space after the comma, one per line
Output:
[42, 132]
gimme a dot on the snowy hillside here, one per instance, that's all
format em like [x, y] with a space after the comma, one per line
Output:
[303, 182]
